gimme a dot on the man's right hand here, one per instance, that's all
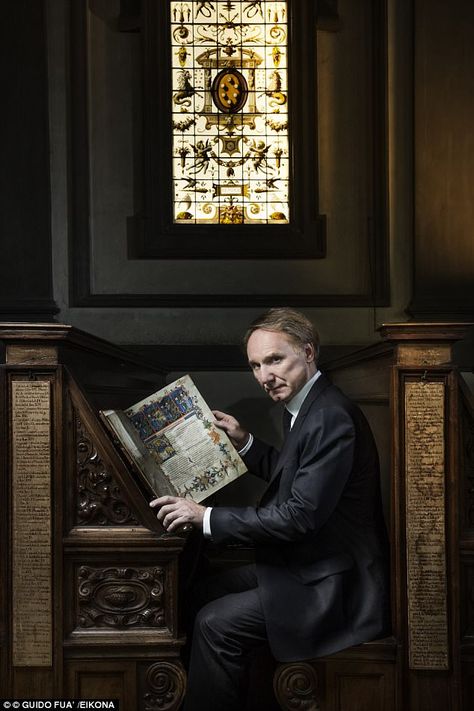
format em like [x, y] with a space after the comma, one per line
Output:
[237, 435]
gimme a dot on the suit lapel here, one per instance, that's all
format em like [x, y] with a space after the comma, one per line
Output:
[291, 440]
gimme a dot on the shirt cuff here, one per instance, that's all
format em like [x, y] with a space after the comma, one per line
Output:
[206, 523]
[246, 448]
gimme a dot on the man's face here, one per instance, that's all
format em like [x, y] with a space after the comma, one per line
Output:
[280, 366]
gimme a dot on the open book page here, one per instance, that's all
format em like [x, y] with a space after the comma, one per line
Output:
[176, 426]
[153, 477]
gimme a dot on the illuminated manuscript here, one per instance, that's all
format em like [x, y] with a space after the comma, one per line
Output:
[171, 439]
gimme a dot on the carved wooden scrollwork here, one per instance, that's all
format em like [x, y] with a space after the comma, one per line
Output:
[99, 499]
[120, 598]
[166, 684]
[296, 687]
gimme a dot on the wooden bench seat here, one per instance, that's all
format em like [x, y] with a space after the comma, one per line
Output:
[360, 678]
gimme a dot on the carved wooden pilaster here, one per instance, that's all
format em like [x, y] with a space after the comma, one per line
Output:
[296, 686]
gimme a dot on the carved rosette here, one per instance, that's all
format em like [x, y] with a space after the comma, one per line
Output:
[99, 499]
[296, 687]
[166, 684]
[120, 598]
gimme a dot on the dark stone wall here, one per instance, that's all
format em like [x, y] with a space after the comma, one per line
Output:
[444, 160]
[25, 232]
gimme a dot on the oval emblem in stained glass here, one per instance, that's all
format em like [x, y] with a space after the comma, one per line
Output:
[229, 90]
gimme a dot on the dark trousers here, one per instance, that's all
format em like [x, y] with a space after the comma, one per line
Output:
[227, 628]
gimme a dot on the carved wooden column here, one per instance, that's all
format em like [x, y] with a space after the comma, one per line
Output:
[29, 466]
[425, 504]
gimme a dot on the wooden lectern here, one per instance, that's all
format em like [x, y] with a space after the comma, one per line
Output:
[88, 579]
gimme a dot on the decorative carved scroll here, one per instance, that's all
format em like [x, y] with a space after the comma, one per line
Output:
[31, 523]
[166, 683]
[425, 526]
[120, 598]
[99, 500]
[296, 687]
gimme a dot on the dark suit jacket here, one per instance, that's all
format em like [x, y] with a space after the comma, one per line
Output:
[322, 552]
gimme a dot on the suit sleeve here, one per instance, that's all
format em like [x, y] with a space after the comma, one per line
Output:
[261, 459]
[321, 471]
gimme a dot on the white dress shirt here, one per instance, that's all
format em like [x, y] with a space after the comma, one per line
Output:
[293, 406]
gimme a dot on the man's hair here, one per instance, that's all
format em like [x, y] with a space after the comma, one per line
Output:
[285, 320]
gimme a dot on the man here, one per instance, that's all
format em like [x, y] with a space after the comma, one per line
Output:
[319, 583]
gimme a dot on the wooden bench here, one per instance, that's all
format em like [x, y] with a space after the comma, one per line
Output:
[360, 678]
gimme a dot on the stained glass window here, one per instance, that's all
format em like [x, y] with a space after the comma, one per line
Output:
[230, 112]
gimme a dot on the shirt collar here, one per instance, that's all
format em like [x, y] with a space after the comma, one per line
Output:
[294, 405]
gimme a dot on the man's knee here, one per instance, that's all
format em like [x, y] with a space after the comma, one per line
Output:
[209, 623]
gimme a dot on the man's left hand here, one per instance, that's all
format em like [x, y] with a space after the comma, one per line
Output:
[175, 512]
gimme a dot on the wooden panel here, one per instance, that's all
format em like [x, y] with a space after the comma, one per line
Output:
[432, 692]
[103, 680]
[364, 381]
[361, 678]
[119, 593]
[467, 598]
[120, 597]
[468, 684]
[31, 355]
[467, 467]
[379, 418]
[360, 686]
[421, 354]
[31, 683]
[364, 376]
[159, 685]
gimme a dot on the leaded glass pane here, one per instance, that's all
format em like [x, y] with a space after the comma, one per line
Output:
[230, 111]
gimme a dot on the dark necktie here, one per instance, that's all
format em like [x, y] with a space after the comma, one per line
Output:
[287, 417]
